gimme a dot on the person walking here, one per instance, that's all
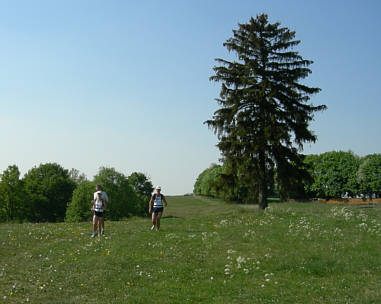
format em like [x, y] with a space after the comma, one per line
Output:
[98, 218]
[159, 202]
[98, 188]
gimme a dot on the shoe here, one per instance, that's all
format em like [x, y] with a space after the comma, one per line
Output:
[153, 227]
[94, 234]
[102, 232]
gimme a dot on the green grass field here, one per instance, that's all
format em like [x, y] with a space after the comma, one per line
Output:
[206, 252]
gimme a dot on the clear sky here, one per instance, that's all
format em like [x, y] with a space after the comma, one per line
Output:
[124, 84]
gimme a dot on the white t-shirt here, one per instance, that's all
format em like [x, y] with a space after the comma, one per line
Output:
[104, 196]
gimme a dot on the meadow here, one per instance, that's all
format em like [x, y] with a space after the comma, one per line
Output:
[207, 251]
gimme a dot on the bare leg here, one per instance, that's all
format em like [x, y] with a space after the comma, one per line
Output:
[158, 220]
[103, 224]
[100, 224]
[95, 223]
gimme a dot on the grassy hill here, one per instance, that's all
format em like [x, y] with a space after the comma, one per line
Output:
[206, 252]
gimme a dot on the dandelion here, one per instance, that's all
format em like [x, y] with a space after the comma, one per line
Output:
[211, 278]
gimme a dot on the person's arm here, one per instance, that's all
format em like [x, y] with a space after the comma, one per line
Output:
[165, 201]
[92, 205]
[150, 204]
[105, 200]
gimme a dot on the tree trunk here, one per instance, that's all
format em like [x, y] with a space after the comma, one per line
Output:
[262, 195]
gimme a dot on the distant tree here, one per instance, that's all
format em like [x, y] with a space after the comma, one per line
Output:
[209, 182]
[334, 174]
[12, 195]
[369, 175]
[265, 111]
[49, 189]
[123, 201]
[141, 184]
[77, 177]
[79, 208]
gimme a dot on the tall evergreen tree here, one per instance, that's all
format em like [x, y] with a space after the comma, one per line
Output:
[265, 111]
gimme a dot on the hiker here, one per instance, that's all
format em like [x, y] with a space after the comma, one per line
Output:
[159, 201]
[98, 219]
[98, 188]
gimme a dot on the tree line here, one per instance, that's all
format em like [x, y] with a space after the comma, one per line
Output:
[334, 174]
[51, 193]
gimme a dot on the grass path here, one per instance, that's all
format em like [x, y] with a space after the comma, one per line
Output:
[206, 252]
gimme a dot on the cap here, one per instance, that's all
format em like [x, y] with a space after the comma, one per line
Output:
[158, 188]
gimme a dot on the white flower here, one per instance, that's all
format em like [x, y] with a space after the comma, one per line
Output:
[240, 260]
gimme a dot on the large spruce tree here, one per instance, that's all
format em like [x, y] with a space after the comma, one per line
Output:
[264, 111]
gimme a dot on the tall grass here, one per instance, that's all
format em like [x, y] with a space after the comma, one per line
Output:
[206, 252]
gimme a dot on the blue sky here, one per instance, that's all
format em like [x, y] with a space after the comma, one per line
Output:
[124, 84]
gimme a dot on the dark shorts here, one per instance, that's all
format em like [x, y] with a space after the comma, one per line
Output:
[157, 209]
[100, 214]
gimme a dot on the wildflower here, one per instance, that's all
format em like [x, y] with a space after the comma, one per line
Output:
[240, 260]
